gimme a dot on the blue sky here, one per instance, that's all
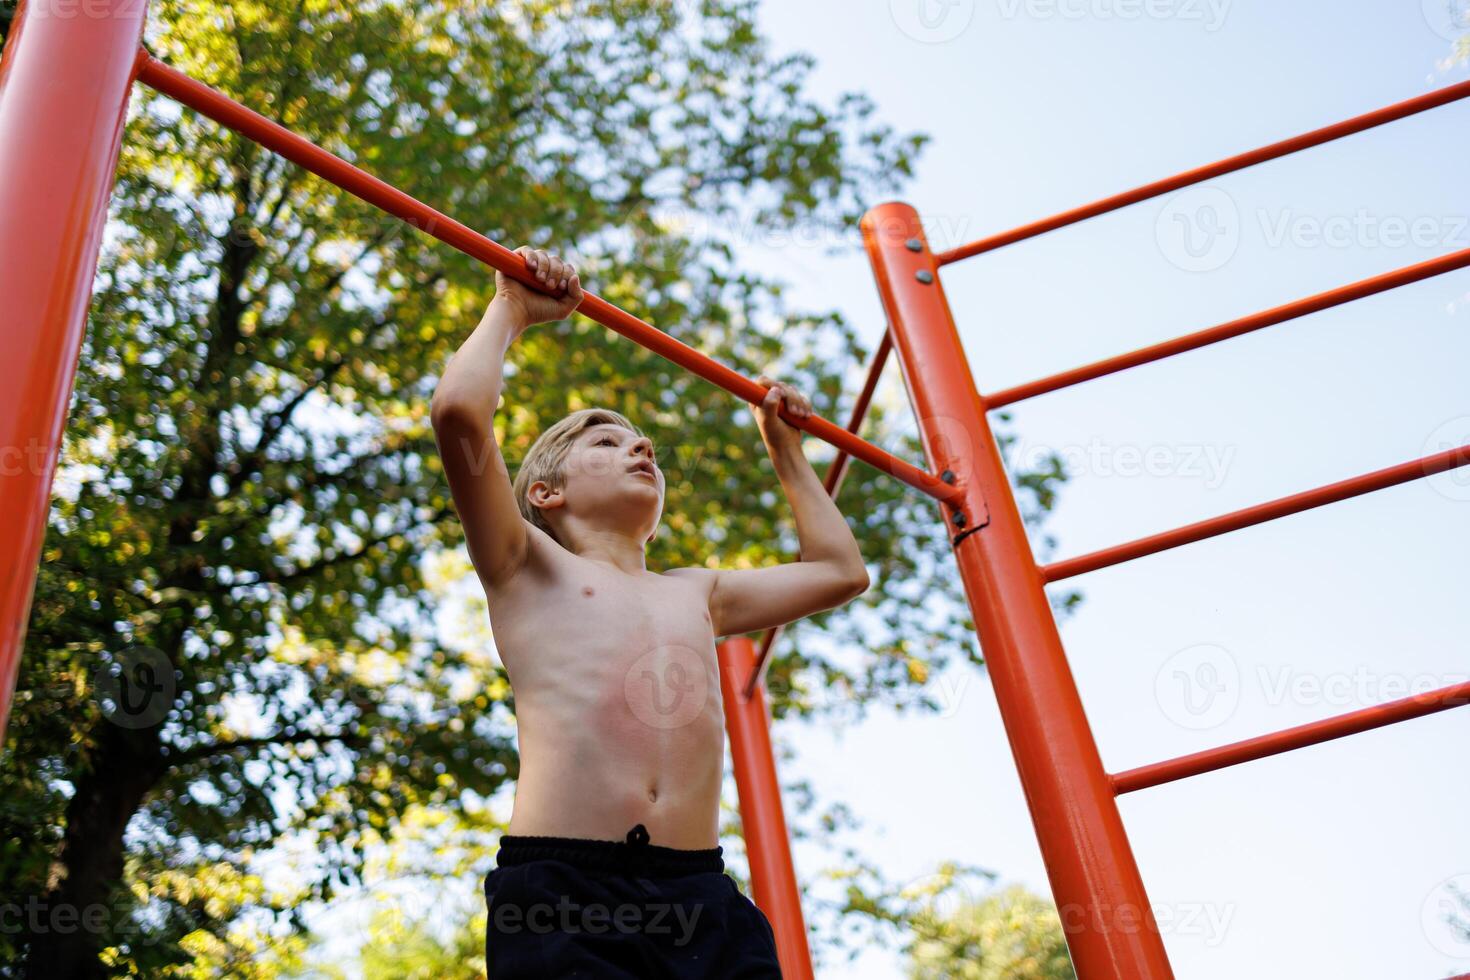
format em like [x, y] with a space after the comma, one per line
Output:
[1332, 861]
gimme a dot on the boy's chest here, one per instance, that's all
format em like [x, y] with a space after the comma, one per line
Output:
[590, 608]
[663, 609]
[630, 659]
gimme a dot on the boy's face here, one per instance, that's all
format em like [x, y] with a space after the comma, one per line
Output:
[611, 480]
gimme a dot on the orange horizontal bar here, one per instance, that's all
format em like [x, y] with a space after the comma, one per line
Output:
[836, 472]
[1380, 479]
[1276, 743]
[227, 112]
[1316, 137]
[1234, 328]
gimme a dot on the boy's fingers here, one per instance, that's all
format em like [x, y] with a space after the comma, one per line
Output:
[779, 392]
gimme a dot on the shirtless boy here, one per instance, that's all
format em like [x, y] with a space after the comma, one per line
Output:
[611, 865]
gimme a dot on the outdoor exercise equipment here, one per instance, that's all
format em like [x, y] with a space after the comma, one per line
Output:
[65, 81]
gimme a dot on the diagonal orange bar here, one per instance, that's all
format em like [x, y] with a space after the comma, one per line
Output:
[301, 151]
[1313, 733]
[833, 482]
[1234, 328]
[1316, 137]
[1296, 503]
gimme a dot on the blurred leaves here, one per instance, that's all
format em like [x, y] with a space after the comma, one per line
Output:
[1009, 935]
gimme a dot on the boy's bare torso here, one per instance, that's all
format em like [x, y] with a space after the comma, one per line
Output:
[617, 698]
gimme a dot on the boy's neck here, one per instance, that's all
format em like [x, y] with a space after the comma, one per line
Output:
[623, 551]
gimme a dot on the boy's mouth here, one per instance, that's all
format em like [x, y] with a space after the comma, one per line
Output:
[644, 466]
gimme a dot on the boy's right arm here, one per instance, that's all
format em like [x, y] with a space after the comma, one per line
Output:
[463, 408]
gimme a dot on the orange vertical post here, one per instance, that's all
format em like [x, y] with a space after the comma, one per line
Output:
[64, 85]
[1110, 926]
[767, 843]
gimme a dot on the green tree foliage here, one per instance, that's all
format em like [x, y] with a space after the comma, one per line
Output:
[1010, 935]
[952, 924]
[249, 490]
[410, 949]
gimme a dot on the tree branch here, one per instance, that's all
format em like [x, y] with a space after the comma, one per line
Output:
[280, 577]
[278, 421]
[201, 752]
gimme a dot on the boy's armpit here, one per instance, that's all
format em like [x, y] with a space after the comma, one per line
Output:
[703, 578]
[539, 558]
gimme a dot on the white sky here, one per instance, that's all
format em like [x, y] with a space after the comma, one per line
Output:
[1326, 862]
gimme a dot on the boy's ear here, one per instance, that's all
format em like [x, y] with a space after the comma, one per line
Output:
[544, 496]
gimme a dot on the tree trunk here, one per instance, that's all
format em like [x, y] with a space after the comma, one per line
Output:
[72, 921]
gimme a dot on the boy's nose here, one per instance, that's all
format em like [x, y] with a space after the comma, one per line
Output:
[644, 446]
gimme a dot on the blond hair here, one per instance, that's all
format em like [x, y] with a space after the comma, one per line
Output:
[546, 459]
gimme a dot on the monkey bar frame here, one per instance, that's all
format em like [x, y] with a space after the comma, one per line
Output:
[65, 83]
[1229, 165]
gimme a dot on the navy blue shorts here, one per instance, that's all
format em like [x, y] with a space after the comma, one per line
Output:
[615, 910]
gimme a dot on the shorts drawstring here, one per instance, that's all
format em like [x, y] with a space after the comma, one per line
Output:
[637, 842]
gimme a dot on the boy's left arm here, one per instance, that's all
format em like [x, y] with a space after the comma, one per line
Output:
[830, 569]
